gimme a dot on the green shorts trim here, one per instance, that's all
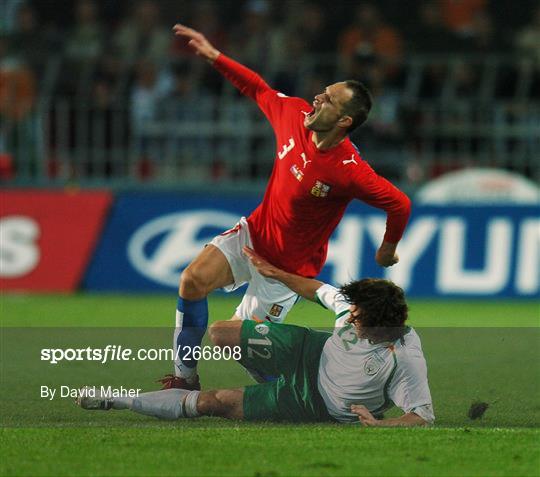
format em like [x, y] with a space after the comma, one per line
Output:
[292, 353]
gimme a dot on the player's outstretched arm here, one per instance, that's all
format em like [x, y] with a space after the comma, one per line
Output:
[198, 42]
[305, 287]
[409, 419]
[247, 81]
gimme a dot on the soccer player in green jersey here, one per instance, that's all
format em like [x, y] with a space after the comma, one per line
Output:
[370, 362]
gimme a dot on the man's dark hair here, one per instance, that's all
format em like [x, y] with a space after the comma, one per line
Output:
[382, 308]
[359, 105]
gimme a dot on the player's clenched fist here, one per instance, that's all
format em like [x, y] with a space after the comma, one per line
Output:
[197, 41]
[386, 255]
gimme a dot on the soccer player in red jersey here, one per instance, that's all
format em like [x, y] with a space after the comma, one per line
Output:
[317, 172]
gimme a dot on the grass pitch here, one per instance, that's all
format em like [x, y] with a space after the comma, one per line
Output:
[476, 351]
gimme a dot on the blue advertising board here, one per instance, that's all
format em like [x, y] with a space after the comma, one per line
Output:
[445, 252]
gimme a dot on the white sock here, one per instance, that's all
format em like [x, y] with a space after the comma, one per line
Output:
[190, 404]
[189, 374]
[122, 403]
[165, 404]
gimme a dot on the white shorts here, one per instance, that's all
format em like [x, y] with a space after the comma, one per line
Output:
[265, 299]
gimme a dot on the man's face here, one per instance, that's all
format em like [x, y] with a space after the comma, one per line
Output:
[328, 108]
[354, 318]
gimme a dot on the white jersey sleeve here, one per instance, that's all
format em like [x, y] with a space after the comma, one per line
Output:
[330, 297]
[409, 389]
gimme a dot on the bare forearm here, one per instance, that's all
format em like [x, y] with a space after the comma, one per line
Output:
[212, 56]
[305, 287]
[406, 420]
[409, 419]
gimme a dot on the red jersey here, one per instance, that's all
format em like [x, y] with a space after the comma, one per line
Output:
[309, 189]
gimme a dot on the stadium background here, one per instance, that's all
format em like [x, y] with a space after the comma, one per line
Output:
[121, 155]
[102, 95]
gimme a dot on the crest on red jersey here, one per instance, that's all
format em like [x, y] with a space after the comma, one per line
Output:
[297, 172]
[320, 189]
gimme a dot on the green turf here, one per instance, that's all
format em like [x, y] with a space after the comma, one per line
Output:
[247, 450]
[158, 310]
[487, 351]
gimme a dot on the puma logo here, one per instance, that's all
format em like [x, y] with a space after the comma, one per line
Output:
[348, 161]
[306, 162]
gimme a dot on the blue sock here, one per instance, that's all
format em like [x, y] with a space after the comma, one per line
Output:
[191, 323]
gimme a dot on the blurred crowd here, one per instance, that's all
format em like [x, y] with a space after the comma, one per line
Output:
[110, 53]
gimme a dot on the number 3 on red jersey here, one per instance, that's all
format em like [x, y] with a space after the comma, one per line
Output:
[286, 149]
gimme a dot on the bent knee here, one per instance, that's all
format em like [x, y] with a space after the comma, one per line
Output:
[193, 284]
[217, 333]
[225, 333]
